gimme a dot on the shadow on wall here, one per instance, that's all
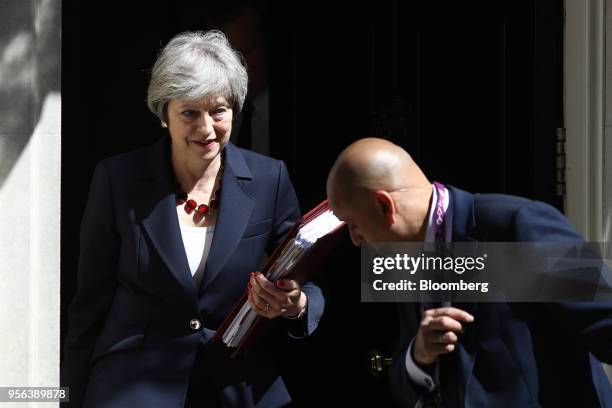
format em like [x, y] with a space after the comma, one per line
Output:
[29, 71]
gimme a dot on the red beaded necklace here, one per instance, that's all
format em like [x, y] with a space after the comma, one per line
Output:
[202, 209]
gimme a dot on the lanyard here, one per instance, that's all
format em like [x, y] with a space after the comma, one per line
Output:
[439, 211]
[439, 219]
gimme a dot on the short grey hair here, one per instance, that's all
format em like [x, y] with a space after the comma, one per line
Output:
[194, 65]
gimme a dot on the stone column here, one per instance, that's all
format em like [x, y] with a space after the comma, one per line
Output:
[608, 127]
[30, 129]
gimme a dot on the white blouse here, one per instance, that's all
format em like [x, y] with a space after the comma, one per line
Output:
[197, 242]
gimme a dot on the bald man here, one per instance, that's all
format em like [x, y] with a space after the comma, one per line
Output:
[485, 354]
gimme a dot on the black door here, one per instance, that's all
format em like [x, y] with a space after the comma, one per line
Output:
[473, 90]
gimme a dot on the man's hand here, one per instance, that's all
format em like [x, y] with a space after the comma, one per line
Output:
[438, 333]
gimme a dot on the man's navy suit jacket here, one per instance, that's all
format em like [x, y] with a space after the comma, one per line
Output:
[516, 354]
[129, 340]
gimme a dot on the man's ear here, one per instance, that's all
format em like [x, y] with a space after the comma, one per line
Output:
[387, 206]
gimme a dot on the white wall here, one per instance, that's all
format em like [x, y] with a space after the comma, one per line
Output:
[584, 90]
[607, 161]
[30, 192]
[607, 157]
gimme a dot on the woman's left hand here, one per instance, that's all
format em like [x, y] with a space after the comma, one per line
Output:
[285, 298]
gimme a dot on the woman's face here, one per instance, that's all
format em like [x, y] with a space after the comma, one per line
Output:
[199, 129]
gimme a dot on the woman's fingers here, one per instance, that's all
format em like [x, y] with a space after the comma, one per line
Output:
[272, 290]
[257, 304]
[288, 285]
[284, 292]
[283, 298]
[258, 286]
[262, 307]
[264, 300]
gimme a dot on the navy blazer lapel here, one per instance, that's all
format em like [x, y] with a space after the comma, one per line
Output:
[235, 208]
[156, 208]
[462, 207]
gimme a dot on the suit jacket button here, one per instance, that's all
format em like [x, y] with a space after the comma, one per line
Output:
[428, 382]
[195, 324]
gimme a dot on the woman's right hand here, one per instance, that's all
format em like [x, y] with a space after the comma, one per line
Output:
[285, 298]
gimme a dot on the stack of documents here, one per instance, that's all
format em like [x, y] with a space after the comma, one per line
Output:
[292, 251]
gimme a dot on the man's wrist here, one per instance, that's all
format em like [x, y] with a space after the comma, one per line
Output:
[428, 368]
[423, 378]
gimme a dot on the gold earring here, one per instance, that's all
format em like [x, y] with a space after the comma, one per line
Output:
[163, 124]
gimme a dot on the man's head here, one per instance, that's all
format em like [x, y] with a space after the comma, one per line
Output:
[380, 192]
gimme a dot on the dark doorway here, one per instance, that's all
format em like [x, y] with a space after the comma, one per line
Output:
[473, 90]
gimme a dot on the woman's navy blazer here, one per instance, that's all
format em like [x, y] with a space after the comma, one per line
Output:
[132, 335]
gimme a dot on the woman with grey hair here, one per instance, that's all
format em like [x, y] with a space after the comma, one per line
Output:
[171, 237]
